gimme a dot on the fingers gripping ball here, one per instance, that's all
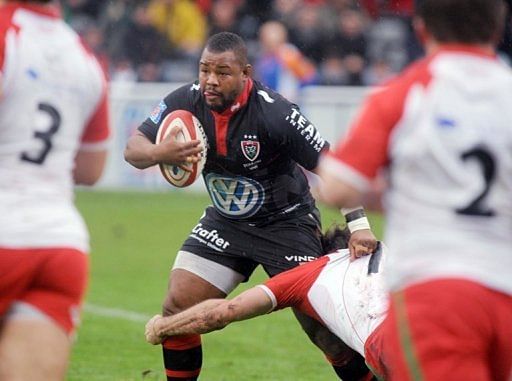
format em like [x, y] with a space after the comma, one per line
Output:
[191, 129]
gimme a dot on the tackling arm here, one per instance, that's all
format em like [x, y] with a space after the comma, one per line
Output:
[208, 316]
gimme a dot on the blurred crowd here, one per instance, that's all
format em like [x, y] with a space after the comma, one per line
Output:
[292, 43]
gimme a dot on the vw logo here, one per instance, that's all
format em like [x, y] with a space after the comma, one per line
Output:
[235, 197]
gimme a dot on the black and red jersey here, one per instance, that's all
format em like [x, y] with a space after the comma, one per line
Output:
[255, 148]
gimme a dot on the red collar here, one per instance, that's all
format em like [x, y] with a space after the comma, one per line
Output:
[49, 10]
[239, 102]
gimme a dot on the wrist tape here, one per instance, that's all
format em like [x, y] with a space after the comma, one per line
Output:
[356, 219]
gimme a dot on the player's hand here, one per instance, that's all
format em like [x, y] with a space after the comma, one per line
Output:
[151, 336]
[171, 151]
[362, 242]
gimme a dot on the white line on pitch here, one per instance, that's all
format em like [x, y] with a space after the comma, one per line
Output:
[116, 313]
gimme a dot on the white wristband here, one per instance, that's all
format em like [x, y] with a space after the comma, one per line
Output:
[359, 224]
[356, 218]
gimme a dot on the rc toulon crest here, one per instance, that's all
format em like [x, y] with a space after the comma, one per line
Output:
[250, 149]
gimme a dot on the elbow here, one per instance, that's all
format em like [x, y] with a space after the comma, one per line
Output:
[88, 179]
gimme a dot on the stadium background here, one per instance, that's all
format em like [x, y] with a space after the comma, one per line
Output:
[344, 46]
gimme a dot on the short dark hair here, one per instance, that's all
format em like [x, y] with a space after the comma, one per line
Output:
[463, 21]
[335, 238]
[227, 41]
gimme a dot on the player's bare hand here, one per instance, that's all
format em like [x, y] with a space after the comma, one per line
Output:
[150, 332]
[361, 243]
[171, 151]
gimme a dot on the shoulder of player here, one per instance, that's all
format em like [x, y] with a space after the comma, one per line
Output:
[275, 109]
[392, 94]
[186, 96]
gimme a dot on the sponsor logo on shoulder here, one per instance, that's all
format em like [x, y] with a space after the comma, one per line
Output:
[306, 129]
[157, 112]
[195, 87]
[210, 238]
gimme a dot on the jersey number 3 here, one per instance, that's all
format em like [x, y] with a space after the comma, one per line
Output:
[488, 165]
[39, 156]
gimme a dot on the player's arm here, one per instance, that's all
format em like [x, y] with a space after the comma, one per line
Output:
[91, 156]
[362, 240]
[209, 315]
[141, 150]
[142, 153]
[89, 166]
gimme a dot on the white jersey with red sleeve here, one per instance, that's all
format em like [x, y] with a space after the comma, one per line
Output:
[348, 297]
[443, 131]
[52, 103]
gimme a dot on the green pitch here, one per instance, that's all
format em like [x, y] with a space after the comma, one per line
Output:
[134, 238]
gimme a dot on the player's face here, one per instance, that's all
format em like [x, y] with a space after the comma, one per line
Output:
[222, 78]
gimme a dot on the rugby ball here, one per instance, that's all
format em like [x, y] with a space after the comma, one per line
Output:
[191, 129]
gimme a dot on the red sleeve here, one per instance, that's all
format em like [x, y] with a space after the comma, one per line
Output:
[6, 13]
[291, 287]
[365, 147]
[97, 129]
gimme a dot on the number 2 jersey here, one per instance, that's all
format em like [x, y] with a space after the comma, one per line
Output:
[444, 131]
[52, 103]
[251, 171]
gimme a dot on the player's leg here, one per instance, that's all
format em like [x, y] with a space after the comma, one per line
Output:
[36, 329]
[183, 354]
[206, 267]
[33, 347]
[456, 340]
[192, 280]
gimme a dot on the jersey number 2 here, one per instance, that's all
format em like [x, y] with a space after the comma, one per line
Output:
[486, 160]
[45, 136]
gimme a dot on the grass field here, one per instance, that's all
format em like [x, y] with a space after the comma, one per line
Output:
[134, 239]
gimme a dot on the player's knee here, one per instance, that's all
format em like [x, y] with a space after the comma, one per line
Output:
[174, 303]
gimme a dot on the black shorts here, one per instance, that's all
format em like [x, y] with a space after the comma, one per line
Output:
[277, 246]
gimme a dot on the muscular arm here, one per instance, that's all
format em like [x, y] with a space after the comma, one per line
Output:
[142, 153]
[209, 315]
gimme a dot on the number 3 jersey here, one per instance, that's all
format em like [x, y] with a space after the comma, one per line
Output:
[251, 172]
[444, 131]
[52, 103]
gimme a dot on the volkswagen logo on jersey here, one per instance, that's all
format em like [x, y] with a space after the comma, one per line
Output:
[235, 197]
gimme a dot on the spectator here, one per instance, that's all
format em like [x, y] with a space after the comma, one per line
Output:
[142, 43]
[223, 17]
[333, 72]
[183, 22]
[284, 11]
[377, 72]
[307, 32]
[281, 65]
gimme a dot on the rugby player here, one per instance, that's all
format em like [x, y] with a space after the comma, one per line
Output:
[53, 132]
[346, 296]
[262, 209]
[443, 132]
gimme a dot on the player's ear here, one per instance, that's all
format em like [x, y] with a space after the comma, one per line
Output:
[247, 70]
